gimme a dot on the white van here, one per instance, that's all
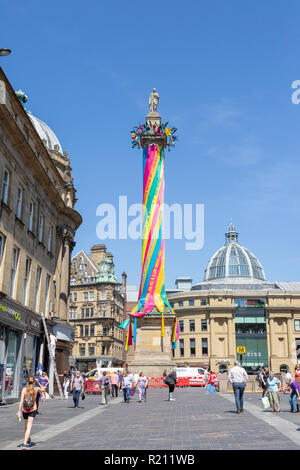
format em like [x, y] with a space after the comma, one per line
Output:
[189, 372]
[97, 373]
[196, 375]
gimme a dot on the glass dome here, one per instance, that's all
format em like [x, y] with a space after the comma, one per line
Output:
[46, 134]
[233, 260]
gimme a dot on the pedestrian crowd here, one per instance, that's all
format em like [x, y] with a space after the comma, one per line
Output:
[36, 389]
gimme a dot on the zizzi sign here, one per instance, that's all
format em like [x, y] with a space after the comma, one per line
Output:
[16, 315]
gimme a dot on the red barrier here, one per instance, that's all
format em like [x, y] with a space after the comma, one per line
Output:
[181, 382]
[196, 382]
[92, 386]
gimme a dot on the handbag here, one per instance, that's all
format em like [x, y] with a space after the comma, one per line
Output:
[132, 391]
[83, 396]
[167, 380]
[266, 403]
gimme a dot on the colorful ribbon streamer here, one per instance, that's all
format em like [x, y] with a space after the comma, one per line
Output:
[129, 337]
[152, 291]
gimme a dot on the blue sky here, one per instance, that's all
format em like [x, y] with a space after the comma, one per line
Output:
[223, 70]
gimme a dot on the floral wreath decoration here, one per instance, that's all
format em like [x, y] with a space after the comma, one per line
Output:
[152, 129]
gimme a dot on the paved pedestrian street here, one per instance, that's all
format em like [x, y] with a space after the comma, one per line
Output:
[194, 421]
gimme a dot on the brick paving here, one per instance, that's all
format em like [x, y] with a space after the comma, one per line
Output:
[195, 421]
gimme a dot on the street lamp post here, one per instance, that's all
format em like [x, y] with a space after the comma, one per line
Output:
[4, 52]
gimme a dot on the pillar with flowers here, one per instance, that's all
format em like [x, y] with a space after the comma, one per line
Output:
[155, 329]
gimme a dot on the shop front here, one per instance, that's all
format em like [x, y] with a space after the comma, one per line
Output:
[20, 339]
[251, 334]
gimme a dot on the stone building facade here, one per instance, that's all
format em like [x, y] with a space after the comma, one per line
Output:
[38, 223]
[97, 308]
[236, 313]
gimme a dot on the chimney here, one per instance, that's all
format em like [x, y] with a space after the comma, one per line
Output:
[98, 253]
[124, 279]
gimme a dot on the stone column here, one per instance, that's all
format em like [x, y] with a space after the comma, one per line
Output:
[212, 338]
[67, 246]
[291, 341]
[231, 338]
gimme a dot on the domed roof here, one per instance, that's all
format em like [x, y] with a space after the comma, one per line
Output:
[233, 261]
[46, 134]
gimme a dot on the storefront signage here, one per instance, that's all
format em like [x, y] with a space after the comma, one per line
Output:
[16, 315]
[34, 323]
[223, 361]
[241, 349]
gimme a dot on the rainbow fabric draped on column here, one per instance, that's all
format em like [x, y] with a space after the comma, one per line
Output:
[152, 291]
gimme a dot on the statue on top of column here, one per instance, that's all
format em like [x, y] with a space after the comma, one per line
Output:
[153, 101]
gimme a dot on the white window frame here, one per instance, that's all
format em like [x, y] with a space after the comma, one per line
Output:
[49, 247]
[19, 203]
[31, 216]
[47, 285]
[297, 323]
[2, 245]
[37, 286]
[41, 228]
[6, 182]
[92, 295]
[26, 280]
[103, 295]
[15, 260]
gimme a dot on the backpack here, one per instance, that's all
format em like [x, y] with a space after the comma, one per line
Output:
[258, 379]
[28, 403]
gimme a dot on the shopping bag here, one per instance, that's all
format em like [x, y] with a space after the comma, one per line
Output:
[132, 391]
[266, 403]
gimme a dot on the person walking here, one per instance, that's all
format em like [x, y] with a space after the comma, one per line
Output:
[170, 380]
[142, 383]
[264, 377]
[66, 385]
[45, 383]
[104, 385]
[135, 377]
[294, 396]
[296, 377]
[238, 377]
[77, 385]
[120, 375]
[38, 382]
[210, 389]
[288, 379]
[29, 407]
[114, 382]
[126, 386]
[273, 391]
[206, 376]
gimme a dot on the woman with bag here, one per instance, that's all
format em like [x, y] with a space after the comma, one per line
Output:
[211, 383]
[142, 383]
[29, 408]
[170, 380]
[273, 391]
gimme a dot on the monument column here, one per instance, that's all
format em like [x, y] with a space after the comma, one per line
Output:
[153, 315]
